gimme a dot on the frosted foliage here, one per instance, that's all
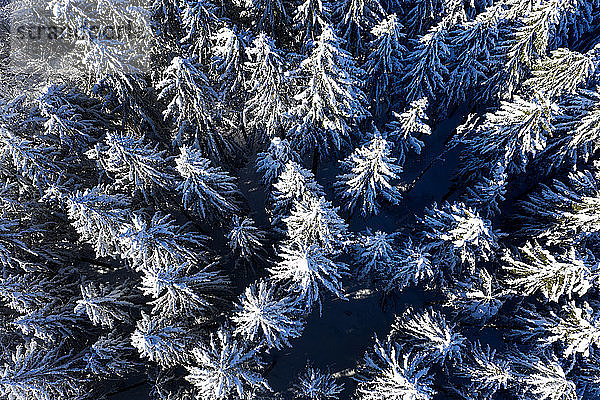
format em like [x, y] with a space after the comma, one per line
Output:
[536, 269]
[455, 235]
[205, 189]
[245, 238]
[223, 367]
[272, 163]
[370, 170]
[314, 384]
[306, 269]
[159, 340]
[430, 334]
[408, 127]
[262, 315]
[314, 221]
[389, 373]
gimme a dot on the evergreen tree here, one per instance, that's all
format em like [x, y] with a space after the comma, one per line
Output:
[103, 306]
[272, 163]
[426, 69]
[384, 62]
[376, 253]
[314, 221]
[316, 385]
[199, 20]
[133, 164]
[478, 298]
[407, 128]
[191, 103]
[263, 316]
[429, 334]
[330, 102]
[356, 18]
[535, 269]
[412, 266]
[306, 269]
[310, 18]
[576, 329]
[227, 63]
[223, 367]
[205, 189]
[159, 340]
[457, 237]
[266, 105]
[245, 239]
[35, 372]
[486, 371]
[294, 184]
[387, 372]
[370, 169]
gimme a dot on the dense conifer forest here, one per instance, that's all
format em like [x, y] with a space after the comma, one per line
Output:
[300, 199]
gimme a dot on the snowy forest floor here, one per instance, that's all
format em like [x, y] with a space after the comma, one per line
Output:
[339, 337]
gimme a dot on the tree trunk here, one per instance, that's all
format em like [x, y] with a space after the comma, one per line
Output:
[315, 161]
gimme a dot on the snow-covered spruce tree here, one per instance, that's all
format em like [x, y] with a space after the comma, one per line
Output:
[542, 377]
[227, 63]
[486, 194]
[486, 371]
[388, 372]
[563, 213]
[305, 269]
[267, 103]
[535, 269]
[103, 305]
[199, 21]
[268, 14]
[369, 171]
[159, 242]
[419, 16]
[478, 298]
[384, 63]
[183, 289]
[73, 118]
[223, 367]
[425, 69]
[263, 316]
[245, 239]
[512, 135]
[272, 162]
[33, 371]
[160, 340]
[329, 102]
[310, 17]
[430, 335]
[376, 253]
[577, 329]
[314, 384]
[412, 266]
[563, 72]
[33, 161]
[205, 189]
[314, 221]
[191, 103]
[472, 42]
[97, 216]
[576, 129]
[407, 128]
[110, 357]
[457, 237]
[294, 184]
[133, 164]
[355, 18]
